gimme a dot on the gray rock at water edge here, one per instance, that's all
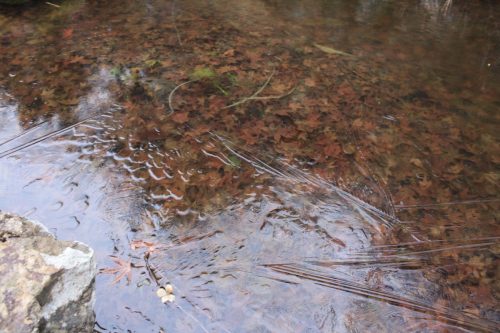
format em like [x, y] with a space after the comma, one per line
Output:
[46, 285]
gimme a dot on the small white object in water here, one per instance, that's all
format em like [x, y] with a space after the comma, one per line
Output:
[161, 293]
[168, 298]
[169, 289]
[166, 293]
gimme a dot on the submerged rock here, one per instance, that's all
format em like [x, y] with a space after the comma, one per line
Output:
[46, 285]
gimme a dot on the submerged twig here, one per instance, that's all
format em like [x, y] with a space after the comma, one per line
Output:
[175, 25]
[43, 137]
[152, 270]
[441, 313]
[29, 130]
[254, 96]
[260, 98]
[178, 34]
[52, 4]
[246, 99]
[170, 96]
[446, 6]
[331, 50]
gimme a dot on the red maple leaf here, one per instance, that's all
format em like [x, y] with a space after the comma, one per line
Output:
[67, 33]
[180, 117]
[122, 268]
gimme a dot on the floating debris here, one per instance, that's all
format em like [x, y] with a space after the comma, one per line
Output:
[165, 293]
[330, 50]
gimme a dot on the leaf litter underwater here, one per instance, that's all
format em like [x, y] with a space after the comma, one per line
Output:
[236, 172]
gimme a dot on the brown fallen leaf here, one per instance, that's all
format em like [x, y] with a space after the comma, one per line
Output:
[149, 246]
[332, 150]
[180, 117]
[123, 268]
[229, 53]
[330, 50]
[78, 60]
[67, 33]
[416, 162]
[310, 82]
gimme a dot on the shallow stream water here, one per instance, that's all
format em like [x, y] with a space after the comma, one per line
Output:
[287, 166]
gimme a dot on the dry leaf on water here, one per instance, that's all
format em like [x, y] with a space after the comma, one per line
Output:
[122, 269]
[149, 246]
[330, 50]
[180, 117]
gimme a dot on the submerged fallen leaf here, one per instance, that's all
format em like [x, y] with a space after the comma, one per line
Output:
[349, 149]
[229, 53]
[152, 63]
[123, 268]
[78, 60]
[180, 117]
[310, 82]
[455, 169]
[67, 33]
[330, 50]
[416, 162]
[149, 246]
[332, 150]
[425, 183]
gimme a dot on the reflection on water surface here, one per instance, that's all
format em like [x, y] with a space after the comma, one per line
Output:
[317, 166]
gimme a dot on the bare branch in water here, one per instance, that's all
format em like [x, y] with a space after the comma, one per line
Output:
[446, 6]
[246, 99]
[171, 95]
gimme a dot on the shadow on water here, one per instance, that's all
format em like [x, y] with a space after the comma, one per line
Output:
[319, 166]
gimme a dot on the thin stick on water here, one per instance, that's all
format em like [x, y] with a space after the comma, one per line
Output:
[44, 137]
[175, 25]
[260, 98]
[178, 34]
[52, 4]
[246, 99]
[29, 130]
[171, 95]
[446, 6]
[254, 96]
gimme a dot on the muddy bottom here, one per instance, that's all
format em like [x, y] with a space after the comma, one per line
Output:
[281, 166]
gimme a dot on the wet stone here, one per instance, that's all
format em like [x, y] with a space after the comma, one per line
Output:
[46, 285]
